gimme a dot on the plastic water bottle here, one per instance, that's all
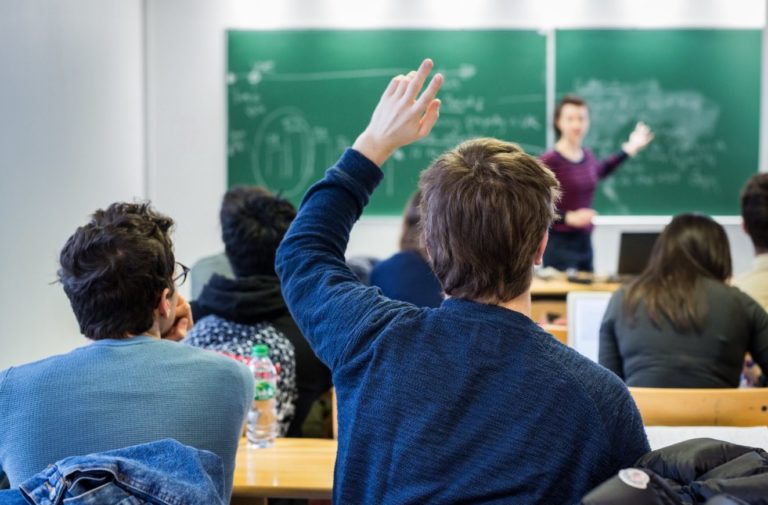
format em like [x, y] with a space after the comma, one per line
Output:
[262, 416]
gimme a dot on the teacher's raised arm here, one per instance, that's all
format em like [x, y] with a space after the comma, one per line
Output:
[578, 170]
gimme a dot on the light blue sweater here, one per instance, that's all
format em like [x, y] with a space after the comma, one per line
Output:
[117, 393]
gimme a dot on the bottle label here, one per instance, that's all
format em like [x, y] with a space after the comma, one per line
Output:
[264, 391]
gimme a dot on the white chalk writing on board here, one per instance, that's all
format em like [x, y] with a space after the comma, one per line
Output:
[684, 122]
[286, 147]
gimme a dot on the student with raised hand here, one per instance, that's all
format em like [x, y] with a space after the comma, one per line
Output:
[407, 276]
[679, 325]
[577, 169]
[131, 384]
[471, 402]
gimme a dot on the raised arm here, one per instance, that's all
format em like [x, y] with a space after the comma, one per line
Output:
[638, 140]
[339, 315]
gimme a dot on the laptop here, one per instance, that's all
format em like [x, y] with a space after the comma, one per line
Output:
[634, 252]
[585, 311]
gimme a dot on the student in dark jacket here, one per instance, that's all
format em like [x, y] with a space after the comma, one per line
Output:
[233, 314]
[679, 324]
[407, 275]
[471, 402]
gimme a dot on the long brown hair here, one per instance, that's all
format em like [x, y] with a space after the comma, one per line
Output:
[691, 247]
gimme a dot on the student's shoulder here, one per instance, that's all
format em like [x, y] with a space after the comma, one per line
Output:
[728, 295]
[49, 366]
[596, 382]
[207, 363]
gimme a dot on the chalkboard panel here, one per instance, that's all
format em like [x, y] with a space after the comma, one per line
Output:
[700, 92]
[296, 99]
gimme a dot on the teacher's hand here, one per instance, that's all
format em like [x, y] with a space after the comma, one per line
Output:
[640, 137]
[580, 218]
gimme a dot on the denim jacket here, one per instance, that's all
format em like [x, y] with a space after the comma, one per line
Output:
[162, 473]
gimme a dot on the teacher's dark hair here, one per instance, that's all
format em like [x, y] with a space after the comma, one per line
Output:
[485, 208]
[754, 210]
[115, 268]
[691, 247]
[253, 222]
[566, 100]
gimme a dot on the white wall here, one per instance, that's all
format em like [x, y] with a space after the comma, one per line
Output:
[81, 126]
[188, 102]
[70, 141]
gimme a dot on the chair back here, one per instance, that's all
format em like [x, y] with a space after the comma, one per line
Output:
[702, 407]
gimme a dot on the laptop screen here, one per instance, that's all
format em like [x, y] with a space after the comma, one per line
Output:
[634, 252]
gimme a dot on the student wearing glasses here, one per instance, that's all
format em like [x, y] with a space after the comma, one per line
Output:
[132, 384]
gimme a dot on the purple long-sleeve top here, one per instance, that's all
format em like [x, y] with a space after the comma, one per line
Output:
[578, 181]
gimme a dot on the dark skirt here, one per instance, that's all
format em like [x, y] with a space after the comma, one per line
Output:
[569, 249]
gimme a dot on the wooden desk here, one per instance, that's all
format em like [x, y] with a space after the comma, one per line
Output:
[548, 296]
[559, 288]
[293, 468]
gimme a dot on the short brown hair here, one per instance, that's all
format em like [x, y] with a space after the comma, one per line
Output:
[485, 208]
[754, 210]
[566, 100]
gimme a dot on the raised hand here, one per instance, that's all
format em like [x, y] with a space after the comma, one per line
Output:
[640, 137]
[401, 116]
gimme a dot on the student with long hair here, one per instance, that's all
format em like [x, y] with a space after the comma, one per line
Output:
[407, 275]
[679, 324]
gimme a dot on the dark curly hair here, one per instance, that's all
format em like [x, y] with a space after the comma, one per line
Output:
[253, 222]
[115, 268]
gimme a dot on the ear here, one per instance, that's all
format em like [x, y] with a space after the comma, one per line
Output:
[164, 306]
[539, 258]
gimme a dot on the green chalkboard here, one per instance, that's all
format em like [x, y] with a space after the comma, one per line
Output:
[296, 99]
[700, 92]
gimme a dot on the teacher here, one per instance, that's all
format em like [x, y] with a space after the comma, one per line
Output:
[577, 169]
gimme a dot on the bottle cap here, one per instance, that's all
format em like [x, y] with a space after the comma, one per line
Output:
[260, 351]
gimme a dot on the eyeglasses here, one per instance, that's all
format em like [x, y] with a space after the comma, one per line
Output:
[181, 277]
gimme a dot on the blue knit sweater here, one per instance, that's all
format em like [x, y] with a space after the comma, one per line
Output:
[466, 403]
[117, 393]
